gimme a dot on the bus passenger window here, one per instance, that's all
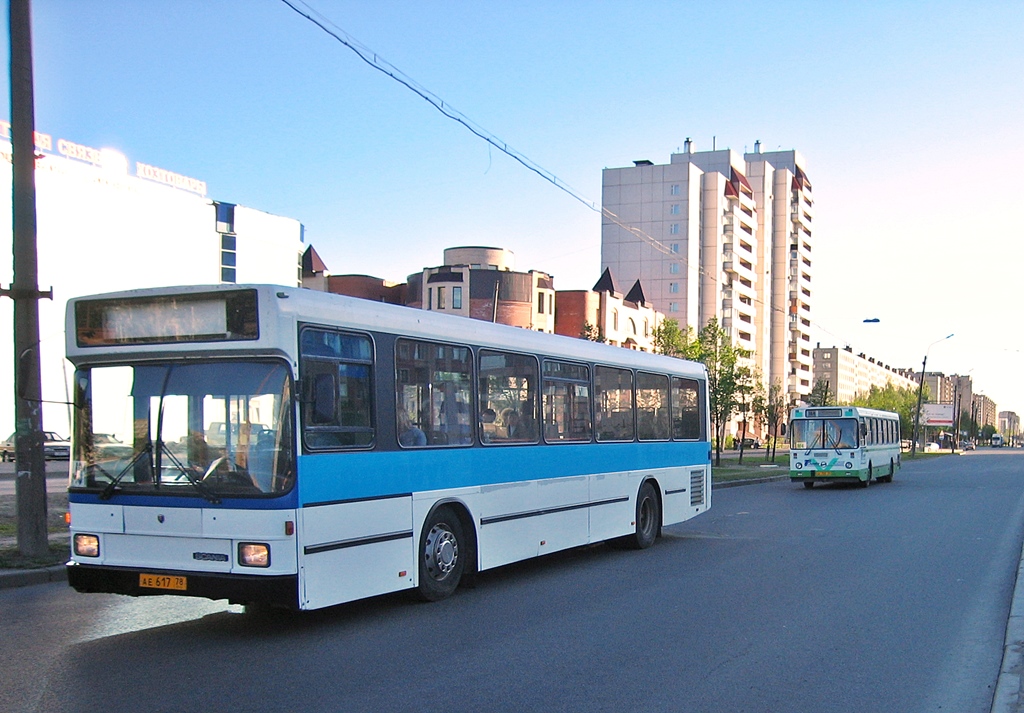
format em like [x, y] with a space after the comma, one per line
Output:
[433, 398]
[687, 420]
[338, 371]
[613, 399]
[508, 387]
[652, 423]
[566, 406]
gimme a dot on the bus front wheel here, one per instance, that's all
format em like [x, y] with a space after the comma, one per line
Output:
[442, 555]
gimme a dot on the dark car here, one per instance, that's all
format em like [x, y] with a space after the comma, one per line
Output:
[55, 447]
[751, 443]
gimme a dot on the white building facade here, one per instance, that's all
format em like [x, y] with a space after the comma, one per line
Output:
[102, 227]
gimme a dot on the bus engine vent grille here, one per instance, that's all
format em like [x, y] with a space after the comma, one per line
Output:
[696, 487]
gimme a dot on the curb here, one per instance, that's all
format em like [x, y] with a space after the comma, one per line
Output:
[749, 481]
[1007, 697]
[10, 578]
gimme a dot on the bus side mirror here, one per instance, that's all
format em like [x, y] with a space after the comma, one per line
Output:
[782, 432]
[324, 397]
[863, 430]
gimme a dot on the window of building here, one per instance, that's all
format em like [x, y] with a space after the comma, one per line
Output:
[456, 298]
[673, 306]
[566, 405]
[674, 247]
[674, 189]
[615, 319]
[652, 414]
[540, 303]
[433, 384]
[674, 209]
[507, 393]
[440, 297]
[673, 287]
[613, 403]
[430, 298]
[673, 229]
[673, 268]
[337, 369]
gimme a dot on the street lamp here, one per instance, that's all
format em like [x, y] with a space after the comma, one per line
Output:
[920, 393]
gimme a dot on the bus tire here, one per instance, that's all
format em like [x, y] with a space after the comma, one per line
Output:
[808, 484]
[866, 483]
[648, 518]
[443, 552]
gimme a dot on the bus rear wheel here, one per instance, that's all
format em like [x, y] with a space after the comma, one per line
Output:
[442, 555]
[648, 518]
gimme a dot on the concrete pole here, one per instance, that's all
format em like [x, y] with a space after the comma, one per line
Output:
[30, 465]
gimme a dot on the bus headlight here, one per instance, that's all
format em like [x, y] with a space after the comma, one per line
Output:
[253, 554]
[87, 545]
[849, 465]
[799, 465]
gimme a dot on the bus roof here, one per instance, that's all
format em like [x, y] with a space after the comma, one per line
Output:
[293, 304]
[841, 412]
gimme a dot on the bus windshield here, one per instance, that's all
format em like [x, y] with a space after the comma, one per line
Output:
[212, 429]
[838, 433]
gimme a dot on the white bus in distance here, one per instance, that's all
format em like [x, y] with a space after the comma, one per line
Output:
[301, 449]
[843, 444]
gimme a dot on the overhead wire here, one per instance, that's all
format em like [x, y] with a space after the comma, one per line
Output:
[377, 62]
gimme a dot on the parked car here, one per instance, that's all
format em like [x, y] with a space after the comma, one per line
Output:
[931, 447]
[966, 446]
[55, 447]
[751, 443]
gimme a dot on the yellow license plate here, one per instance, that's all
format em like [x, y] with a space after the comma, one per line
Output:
[163, 581]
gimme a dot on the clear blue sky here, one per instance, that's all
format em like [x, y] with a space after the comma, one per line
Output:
[910, 116]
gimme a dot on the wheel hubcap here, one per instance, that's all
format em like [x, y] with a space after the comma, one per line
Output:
[441, 552]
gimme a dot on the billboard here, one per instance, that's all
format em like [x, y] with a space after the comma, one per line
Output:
[937, 414]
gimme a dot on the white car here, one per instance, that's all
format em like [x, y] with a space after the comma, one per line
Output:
[55, 447]
[931, 447]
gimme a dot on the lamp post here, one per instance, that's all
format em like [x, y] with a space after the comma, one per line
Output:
[920, 393]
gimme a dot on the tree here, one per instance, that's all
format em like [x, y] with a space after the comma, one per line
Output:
[821, 395]
[774, 414]
[750, 401]
[720, 357]
[671, 340]
[890, 398]
[592, 333]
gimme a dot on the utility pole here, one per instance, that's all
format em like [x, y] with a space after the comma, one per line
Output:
[30, 465]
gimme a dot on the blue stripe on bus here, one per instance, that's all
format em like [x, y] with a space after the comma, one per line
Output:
[351, 476]
[334, 477]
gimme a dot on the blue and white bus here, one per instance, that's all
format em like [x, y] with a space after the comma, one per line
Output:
[843, 444]
[283, 446]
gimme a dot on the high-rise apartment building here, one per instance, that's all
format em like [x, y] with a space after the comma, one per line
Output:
[716, 234]
[848, 375]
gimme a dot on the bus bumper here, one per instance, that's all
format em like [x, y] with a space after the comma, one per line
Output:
[278, 591]
[829, 476]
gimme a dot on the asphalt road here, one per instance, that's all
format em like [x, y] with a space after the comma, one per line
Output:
[780, 599]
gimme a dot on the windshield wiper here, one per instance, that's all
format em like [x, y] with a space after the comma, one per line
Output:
[108, 491]
[193, 481]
